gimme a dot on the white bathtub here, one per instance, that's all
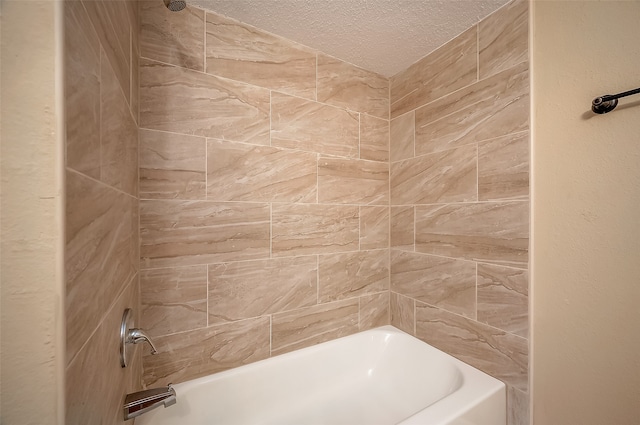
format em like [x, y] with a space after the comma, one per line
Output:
[381, 376]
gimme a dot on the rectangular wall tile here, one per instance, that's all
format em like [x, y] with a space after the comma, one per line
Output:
[448, 176]
[173, 299]
[496, 232]
[493, 107]
[503, 168]
[517, 407]
[189, 102]
[117, 16]
[82, 91]
[352, 274]
[402, 312]
[374, 310]
[181, 233]
[118, 135]
[442, 282]
[201, 352]
[95, 383]
[351, 181]
[345, 85]
[255, 288]
[374, 138]
[374, 227]
[311, 126]
[501, 355]
[245, 53]
[313, 229]
[242, 172]
[111, 41]
[403, 228]
[172, 166]
[313, 325]
[449, 68]
[100, 229]
[175, 38]
[503, 38]
[503, 298]
[401, 137]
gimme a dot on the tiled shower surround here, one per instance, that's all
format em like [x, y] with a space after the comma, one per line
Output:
[289, 198]
[101, 229]
[264, 186]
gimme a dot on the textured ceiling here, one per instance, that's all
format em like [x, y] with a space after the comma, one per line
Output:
[385, 36]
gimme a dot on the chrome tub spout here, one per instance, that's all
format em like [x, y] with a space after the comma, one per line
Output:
[135, 404]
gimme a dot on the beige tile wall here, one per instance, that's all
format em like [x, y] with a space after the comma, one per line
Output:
[459, 193]
[264, 194]
[266, 179]
[102, 247]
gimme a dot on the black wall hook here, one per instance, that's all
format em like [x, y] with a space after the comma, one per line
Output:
[608, 102]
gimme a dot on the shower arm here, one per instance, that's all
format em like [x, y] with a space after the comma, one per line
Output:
[608, 102]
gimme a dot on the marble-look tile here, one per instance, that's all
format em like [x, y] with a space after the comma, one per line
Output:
[82, 91]
[492, 232]
[374, 227]
[442, 282]
[181, 233]
[493, 107]
[172, 166]
[374, 138]
[345, 85]
[173, 299]
[517, 407]
[189, 102]
[402, 136]
[245, 53]
[95, 383]
[447, 176]
[247, 289]
[118, 17]
[351, 274]
[503, 298]
[497, 353]
[311, 126]
[449, 68]
[313, 229]
[374, 311]
[503, 38]
[118, 136]
[503, 168]
[175, 38]
[402, 312]
[313, 325]
[353, 181]
[403, 228]
[201, 352]
[112, 41]
[243, 172]
[100, 253]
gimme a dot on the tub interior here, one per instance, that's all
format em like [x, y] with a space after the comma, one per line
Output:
[378, 378]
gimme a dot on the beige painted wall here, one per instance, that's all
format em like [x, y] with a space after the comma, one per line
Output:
[586, 202]
[32, 231]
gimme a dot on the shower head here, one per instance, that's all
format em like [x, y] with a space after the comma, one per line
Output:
[175, 5]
